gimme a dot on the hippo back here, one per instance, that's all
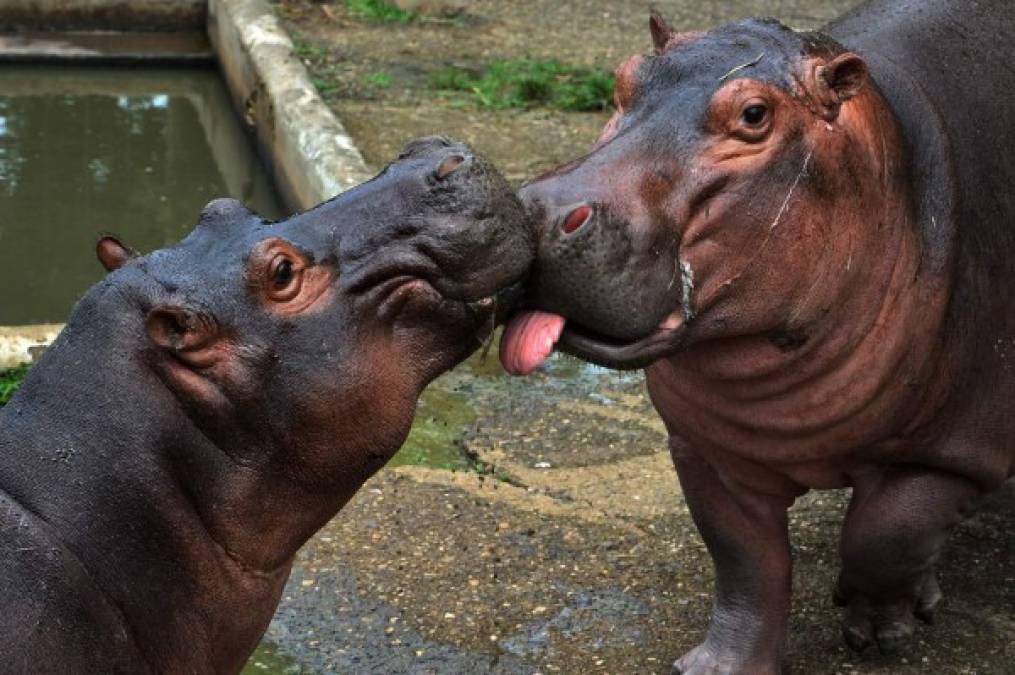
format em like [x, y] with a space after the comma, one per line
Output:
[945, 67]
[955, 55]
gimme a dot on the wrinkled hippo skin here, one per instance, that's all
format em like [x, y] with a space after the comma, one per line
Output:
[211, 405]
[809, 241]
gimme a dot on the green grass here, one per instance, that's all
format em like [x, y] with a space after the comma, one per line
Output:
[10, 380]
[526, 83]
[308, 51]
[325, 86]
[380, 11]
[380, 79]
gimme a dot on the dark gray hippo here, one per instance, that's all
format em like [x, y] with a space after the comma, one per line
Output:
[209, 406]
[808, 240]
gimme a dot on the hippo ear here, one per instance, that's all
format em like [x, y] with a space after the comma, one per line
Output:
[188, 333]
[661, 31]
[665, 37]
[839, 80]
[449, 166]
[112, 253]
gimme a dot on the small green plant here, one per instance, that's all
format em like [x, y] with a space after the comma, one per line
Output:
[381, 11]
[10, 380]
[308, 51]
[325, 86]
[526, 83]
[380, 79]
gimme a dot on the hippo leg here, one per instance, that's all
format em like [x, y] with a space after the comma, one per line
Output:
[894, 531]
[746, 534]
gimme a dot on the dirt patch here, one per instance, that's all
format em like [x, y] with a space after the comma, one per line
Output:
[346, 54]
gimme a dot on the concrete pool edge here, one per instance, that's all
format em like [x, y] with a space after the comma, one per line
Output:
[22, 344]
[307, 150]
[107, 15]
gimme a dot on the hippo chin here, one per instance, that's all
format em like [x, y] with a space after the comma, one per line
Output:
[211, 405]
[807, 239]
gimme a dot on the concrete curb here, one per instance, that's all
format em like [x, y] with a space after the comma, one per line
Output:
[101, 48]
[21, 344]
[310, 154]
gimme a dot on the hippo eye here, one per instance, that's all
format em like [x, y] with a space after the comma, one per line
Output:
[282, 277]
[755, 115]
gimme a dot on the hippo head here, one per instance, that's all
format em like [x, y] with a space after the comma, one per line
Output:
[305, 343]
[732, 179]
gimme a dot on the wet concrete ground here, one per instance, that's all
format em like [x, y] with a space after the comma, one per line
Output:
[573, 553]
[561, 542]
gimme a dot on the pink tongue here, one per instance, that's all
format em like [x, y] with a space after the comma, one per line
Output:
[528, 341]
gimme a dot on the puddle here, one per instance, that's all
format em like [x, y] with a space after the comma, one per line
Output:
[86, 151]
[329, 625]
[610, 612]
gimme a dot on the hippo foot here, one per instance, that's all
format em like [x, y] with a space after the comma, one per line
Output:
[703, 660]
[872, 621]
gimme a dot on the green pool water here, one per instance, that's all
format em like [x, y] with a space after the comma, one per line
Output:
[86, 151]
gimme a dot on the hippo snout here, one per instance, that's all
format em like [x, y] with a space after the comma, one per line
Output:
[594, 286]
[440, 221]
[595, 263]
[471, 225]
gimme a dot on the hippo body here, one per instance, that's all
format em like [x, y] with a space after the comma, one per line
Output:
[209, 406]
[808, 240]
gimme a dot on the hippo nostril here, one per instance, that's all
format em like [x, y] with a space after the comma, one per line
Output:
[577, 218]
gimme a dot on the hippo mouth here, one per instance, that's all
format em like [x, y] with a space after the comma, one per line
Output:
[531, 336]
[402, 289]
[484, 312]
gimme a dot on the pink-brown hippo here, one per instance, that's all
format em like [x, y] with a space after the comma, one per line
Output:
[808, 241]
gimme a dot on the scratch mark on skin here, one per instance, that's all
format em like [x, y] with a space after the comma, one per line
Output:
[771, 228]
[789, 195]
[742, 66]
[687, 286]
[884, 161]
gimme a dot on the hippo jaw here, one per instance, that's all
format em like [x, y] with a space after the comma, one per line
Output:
[460, 249]
[678, 226]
